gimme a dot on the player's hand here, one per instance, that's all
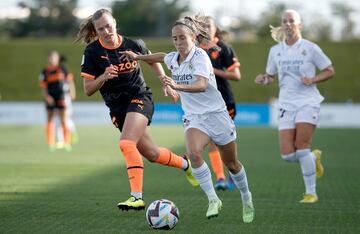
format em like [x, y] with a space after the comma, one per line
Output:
[307, 81]
[49, 100]
[128, 55]
[168, 91]
[110, 73]
[168, 81]
[262, 79]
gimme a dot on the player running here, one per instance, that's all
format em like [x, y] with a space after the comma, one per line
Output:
[294, 60]
[123, 88]
[206, 118]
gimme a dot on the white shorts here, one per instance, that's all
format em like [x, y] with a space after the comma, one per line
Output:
[69, 106]
[217, 125]
[305, 114]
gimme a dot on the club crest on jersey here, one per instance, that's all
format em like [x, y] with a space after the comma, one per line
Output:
[304, 52]
[190, 66]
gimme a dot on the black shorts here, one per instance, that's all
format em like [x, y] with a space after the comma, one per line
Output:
[231, 109]
[58, 104]
[143, 104]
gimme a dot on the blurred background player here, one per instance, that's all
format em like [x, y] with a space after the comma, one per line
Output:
[123, 88]
[226, 67]
[206, 118]
[70, 96]
[294, 60]
[52, 81]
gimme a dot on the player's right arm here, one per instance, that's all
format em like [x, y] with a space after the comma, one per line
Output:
[44, 89]
[48, 98]
[198, 86]
[91, 82]
[93, 85]
[271, 68]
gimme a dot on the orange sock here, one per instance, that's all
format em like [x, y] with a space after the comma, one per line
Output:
[168, 158]
[134, 164]
[50, 133]
[217, 164]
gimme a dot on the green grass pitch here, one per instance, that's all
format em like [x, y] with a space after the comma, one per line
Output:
[77, 192]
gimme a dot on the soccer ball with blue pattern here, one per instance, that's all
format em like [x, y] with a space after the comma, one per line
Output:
[162, 214]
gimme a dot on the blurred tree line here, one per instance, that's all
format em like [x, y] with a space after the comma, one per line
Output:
[154, 18]
[56, 18]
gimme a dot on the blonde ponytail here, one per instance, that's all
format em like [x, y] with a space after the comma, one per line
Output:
[277, 33]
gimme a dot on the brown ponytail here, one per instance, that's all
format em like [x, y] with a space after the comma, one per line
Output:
[197, 26]
[87, 32]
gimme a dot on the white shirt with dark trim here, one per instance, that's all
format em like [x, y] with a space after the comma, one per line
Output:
[291, 63]
[197, 63]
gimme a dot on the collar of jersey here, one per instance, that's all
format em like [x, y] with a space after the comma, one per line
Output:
[52, 67]
[174, 61]
[297, 43]
[112, 48]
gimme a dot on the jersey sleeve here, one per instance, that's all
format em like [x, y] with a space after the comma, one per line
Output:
[87, 65]
[320, 60]
[142, 46]
[230, 59]
[168, 58]
[201, 65]
[271, 67]
[68, 75]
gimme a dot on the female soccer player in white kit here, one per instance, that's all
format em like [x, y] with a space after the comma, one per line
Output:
[206, 117]
[294, 60]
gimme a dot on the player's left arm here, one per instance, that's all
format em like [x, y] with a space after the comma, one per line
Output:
[324, 75]
[232, 64]
[324, 64]
[233, 74]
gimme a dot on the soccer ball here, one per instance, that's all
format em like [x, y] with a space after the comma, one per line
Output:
[162, 214]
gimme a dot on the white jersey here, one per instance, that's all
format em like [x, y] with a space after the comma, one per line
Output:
[197, 63]
[291, 63]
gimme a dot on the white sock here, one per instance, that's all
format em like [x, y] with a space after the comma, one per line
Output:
[203, 176]
[70, 124]
[314, 157]
[240, 180]
[308, 169]
[291, 158]
[136, 195]
[184, 164]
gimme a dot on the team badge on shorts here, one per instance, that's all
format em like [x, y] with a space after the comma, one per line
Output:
[186, 122]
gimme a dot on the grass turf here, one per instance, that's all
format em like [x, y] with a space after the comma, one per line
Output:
[77, 192]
